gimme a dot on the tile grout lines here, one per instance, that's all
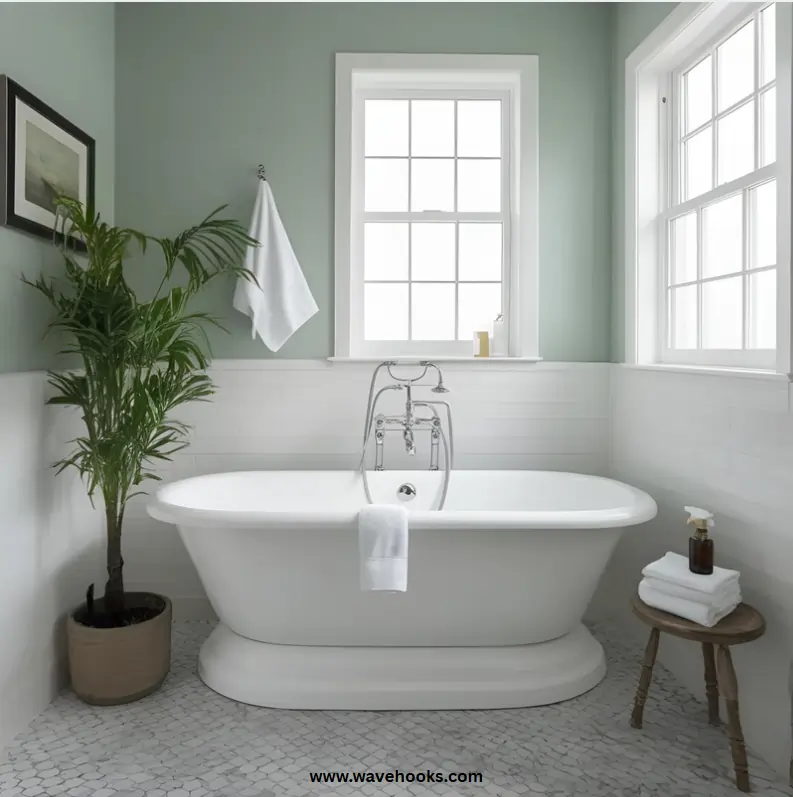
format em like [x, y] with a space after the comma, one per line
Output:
[187, 741]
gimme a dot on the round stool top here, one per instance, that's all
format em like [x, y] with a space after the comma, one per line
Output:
[742, 625]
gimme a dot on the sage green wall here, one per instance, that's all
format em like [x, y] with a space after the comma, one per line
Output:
[205, 92]
[633, 22]
[64, 54]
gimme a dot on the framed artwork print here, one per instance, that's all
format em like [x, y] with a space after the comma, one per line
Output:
[42, 155]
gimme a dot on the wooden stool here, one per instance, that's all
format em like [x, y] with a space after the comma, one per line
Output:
[743, 625]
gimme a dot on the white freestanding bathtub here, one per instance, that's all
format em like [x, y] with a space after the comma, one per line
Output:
[497, 585]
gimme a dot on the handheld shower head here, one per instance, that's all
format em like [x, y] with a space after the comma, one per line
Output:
[439, 388]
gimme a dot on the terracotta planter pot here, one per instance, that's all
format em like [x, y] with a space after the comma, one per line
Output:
[110, 666]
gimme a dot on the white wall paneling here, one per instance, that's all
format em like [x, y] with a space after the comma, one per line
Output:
[50, 548]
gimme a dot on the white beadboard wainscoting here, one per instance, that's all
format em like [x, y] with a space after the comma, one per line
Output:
[725, 444]
[308, 414]
[50, 548]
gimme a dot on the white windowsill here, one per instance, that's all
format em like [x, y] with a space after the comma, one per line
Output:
[701, 370]
[439, 359]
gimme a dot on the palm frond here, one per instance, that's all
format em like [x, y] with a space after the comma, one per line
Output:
[141, 360]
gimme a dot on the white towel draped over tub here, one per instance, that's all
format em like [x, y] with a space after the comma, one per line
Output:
[383, 547]
[282, 302]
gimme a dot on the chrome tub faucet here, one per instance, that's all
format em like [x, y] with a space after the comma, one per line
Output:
[410, 422]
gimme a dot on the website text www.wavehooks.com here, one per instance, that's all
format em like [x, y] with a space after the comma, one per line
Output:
[428, 776]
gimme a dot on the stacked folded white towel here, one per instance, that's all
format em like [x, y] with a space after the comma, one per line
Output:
[669, 585]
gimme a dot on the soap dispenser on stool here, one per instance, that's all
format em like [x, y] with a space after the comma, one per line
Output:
[700, 546]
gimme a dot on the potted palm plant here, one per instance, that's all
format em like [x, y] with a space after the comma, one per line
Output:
[139, 361]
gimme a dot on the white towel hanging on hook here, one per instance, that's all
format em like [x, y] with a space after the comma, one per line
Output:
[282, 301]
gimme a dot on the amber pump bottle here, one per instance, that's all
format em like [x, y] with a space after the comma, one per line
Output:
[700, 546]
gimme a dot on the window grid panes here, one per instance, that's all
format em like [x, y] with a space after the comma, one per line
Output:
[720, 276]
[435, 225]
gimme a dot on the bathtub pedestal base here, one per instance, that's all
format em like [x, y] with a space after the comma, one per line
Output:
[387, 678]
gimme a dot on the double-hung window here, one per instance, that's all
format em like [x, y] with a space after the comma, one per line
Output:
[705, 238]
[435, 203]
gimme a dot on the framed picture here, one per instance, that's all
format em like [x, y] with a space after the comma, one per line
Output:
[42, 155]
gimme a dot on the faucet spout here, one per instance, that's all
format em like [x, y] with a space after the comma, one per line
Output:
[410, 443]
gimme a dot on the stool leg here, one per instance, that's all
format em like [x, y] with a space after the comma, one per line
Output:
[728, 683]
[711, 684]
[650, 652]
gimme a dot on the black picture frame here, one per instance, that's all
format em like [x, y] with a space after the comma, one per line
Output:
[30, 214]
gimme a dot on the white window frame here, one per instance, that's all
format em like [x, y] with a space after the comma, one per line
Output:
[511, 78]
[677, 43]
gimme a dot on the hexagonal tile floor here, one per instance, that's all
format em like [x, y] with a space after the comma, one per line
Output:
[187, 741]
